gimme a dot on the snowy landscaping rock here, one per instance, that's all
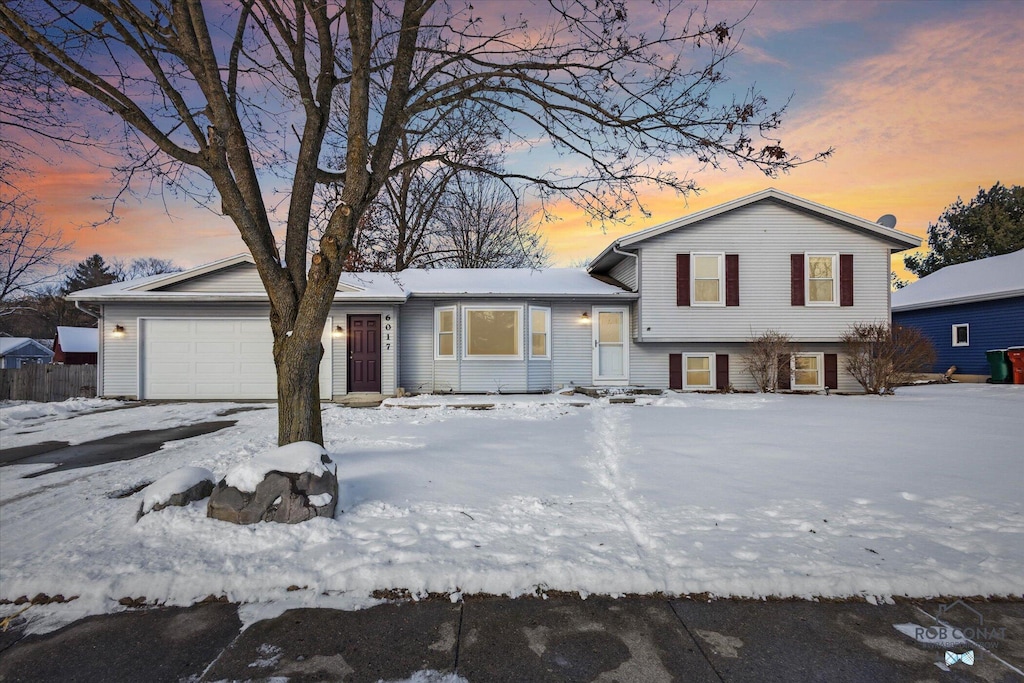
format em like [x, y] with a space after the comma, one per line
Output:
[289, 484]
[180, 487]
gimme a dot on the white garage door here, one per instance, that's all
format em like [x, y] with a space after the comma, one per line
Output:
[214, 358]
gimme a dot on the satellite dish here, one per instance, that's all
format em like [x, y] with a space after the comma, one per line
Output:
[888, 221]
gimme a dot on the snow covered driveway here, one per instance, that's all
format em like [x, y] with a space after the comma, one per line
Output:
[733, 495]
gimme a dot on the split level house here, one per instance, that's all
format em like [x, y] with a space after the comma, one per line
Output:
[672, 306]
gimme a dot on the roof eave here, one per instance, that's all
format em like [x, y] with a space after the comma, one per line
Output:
[942, 303]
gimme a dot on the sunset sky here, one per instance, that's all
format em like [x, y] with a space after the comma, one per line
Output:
[923, 102]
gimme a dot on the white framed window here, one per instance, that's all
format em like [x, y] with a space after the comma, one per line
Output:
[808, 371]
[708, 279]
[698, 371]
[540, 332]
[444, 333]
[961, 334]
[492, 332]
[822, 279]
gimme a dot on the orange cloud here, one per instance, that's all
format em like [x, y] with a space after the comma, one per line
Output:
[934, 118]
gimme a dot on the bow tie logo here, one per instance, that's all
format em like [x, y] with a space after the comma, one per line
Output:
[967, 658]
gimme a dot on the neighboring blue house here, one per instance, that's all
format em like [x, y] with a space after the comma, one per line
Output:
[966, 310]
[16, 352]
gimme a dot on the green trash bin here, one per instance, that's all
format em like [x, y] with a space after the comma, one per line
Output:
[999, 365]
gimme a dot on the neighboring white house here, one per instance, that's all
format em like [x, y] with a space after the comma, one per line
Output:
[671, 306]
[16, 352]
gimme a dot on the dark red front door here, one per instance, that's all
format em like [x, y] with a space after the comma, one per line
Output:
[364, 353]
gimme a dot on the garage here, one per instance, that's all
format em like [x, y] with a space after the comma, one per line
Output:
[213, 358]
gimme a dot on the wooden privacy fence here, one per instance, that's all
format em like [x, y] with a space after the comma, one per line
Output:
[48, 382]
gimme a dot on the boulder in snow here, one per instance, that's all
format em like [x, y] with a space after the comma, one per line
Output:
[289, 484]
[180, 487]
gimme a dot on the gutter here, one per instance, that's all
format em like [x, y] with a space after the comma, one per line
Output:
[83, 309]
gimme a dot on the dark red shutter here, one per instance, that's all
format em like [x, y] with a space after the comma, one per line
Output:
[784, 380]
[846, 279]
[675, 371]
[722, 371]
[796, 279]
[732, 279]
[831, 371]
[682, 279]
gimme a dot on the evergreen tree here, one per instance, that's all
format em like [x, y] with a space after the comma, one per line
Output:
[92, 272]
[989, 225]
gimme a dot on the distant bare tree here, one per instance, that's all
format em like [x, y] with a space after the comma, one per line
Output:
[30, 254]
[482, 228]
[142, 267]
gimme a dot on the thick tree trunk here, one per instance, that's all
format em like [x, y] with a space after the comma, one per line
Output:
[298, 391]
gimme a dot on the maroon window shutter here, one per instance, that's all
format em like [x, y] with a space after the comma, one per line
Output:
[784, 379]
[682, 279]
[831, 371]
[846, 279]
[732, 279]
[796, 279]
[722, 371]
[675, 371]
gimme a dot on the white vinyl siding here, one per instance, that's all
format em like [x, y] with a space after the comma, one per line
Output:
[764, 235]
[625, 272]
[238, 279]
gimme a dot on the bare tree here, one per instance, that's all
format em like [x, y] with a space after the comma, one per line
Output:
[30, 254]
[142, 267]
[204, 92]
[768, 356]
[882, 357]
[482, 228]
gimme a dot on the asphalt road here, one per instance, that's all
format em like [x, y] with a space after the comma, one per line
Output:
[534, 640]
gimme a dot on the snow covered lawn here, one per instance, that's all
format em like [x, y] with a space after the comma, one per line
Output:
[733, 495]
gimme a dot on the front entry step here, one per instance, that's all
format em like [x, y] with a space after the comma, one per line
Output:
[360, 399]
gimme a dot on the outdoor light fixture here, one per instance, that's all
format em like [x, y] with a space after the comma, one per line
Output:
[584, 317]
[339, 331]
[118, 330]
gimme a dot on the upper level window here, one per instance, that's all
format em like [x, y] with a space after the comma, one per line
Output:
[540, 332]
[493, 332]
[444, 332]
[961, 334]
[821, 279]
[708, 279]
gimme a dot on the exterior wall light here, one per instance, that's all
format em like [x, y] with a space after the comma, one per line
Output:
[338, 332]
[585, 318]
[118, 331]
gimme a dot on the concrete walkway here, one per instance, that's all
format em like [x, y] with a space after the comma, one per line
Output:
[530, 640]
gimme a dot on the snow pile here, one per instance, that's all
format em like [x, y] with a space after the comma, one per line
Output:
[21, 413]
[745, 495]
[178, 481]
[295, 458]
